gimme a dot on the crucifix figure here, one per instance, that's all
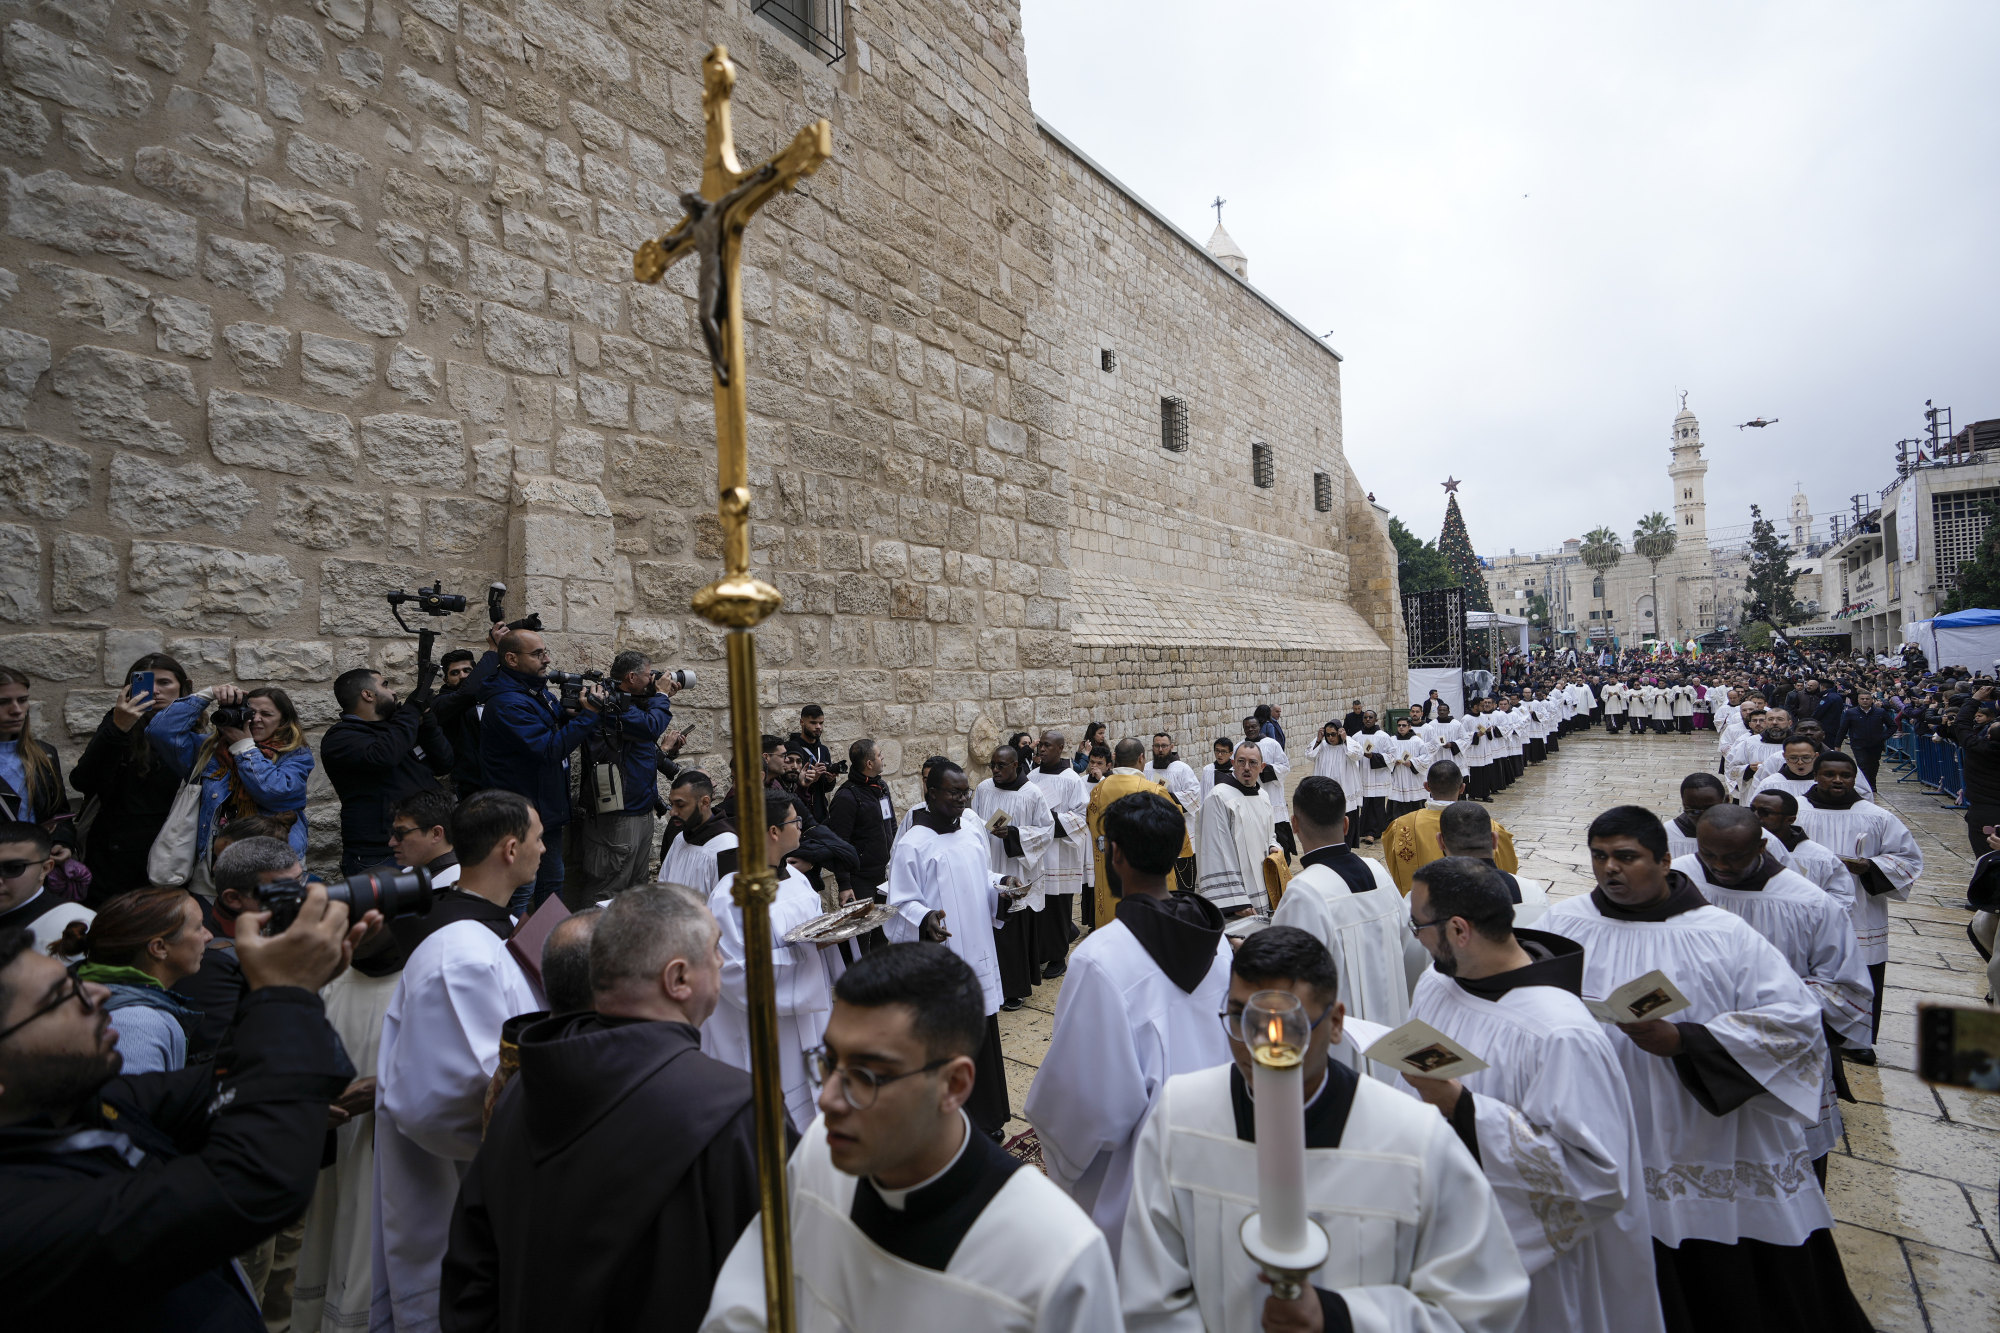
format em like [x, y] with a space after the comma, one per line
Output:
[738, 601]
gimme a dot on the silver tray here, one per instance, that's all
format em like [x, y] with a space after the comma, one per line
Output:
[808, 932]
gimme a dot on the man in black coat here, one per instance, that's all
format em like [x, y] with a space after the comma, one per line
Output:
[380, 751]
[1867, 727]
[553, 1228]
[123, 1200]
[864, 815]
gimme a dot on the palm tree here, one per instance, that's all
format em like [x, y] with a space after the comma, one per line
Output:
[1601, 550]
[1654, 539]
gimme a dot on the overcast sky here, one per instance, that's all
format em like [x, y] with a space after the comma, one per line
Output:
[1528, 225]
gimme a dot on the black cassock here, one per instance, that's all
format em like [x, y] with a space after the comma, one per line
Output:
[618, 1171]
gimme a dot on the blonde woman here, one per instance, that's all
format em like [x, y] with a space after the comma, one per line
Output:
[258, 765]
[31, 781]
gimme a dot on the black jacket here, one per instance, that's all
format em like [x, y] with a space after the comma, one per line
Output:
[372, 765]
[1981, 754]
[133, 788]
[855, 814]
[816, 796]
[456, 710]
[95, 1236]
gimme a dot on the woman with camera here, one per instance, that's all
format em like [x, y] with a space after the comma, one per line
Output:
[138, 947]
[130, 786]
[256, 763]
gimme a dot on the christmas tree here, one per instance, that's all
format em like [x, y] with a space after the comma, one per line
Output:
[1456, 548]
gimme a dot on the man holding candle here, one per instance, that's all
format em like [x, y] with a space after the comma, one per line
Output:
[1418, 1241]
[1723, 1095]
[1550, 1120]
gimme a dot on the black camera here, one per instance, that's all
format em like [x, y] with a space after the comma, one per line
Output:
[571, 684]
[496, 610]
[234, 716]
[391, 892]
[838, 768]
[432, 601]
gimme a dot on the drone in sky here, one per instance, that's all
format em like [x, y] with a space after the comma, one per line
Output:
[1759, 423]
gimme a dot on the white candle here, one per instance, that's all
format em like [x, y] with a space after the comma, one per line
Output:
[1275, 1029]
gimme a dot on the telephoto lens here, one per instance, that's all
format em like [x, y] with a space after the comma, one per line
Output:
[392, 892]
[683, 678]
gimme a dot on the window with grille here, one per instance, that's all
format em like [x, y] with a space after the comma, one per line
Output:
[813, 24]
[1957, 524]
[1107, 359]
[1262, 470]
[1322, 491]
[1174, 424]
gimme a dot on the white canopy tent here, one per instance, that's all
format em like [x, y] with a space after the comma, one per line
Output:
[1511, 631]
[1969, 639]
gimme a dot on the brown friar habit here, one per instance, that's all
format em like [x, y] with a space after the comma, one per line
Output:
[617, 1173]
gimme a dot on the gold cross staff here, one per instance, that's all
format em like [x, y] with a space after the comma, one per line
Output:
[713, 229]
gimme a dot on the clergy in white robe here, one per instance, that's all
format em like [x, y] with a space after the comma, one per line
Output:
[1795, 775]
[1409, 756]
[1351, 905]
[704, 850]
[1723, 1092]
[1778, 812]
[1138, 1007]
[440, 1046]
[1370, 748]
[1550, 1120]
[1016, 848]
[1760, 752]
[1167, 769]
[1614, 706]
[942, 887]
[1663, 700]
[1699, 793]
[1236, 835]
[1736, 871]
[802, 992]
[1332, 759]
[1418, 1240]
[1880, 854]
[1068, 861]
[903, 1215]
[1272, 779]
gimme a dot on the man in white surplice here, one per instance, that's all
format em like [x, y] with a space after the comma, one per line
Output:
[1068, 861]
[1139, 1006]
[802, 991]
[1017, 847]
[903, 1215]
[1795, 775]
[1167, 768]
[1419, 1243]
[1737, 871]
[696, 856]
[1236, 836]
[1332, 759]
[440, 1046]
[1778, 812]
[1272, 780]
[1550, 1120]
[1723, 1092]
[1351, 905]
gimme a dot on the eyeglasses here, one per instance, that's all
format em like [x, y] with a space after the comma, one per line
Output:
[1232, 1023]
[72, 988]
[14, 869]
[398, 832]
[1416, 925]
[859, 1085]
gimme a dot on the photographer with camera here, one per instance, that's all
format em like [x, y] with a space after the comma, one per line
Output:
[817, 771]
[455, 713]
[256, 763]
[525, 741]
[621, 777]
[124, 1200]
[381, 750]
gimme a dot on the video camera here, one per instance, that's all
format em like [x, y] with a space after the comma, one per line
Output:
[571, 684]
[431, 601]
[496, 597]
[393, 893]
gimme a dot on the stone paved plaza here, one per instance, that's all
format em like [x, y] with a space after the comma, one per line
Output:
[1913, 1185]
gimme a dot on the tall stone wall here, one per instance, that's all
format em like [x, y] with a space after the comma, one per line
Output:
[1195, 592]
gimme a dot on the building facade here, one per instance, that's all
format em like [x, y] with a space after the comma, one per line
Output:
[301, 304]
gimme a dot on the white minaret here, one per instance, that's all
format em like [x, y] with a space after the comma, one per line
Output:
[1686, 471]
[1801, 521]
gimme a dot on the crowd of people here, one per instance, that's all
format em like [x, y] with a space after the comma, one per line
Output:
[529, 1106]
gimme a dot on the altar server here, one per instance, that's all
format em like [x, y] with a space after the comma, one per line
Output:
[1139, 1006]
[1700, 792]
[1723, 1094]
[1272, 780]
[1350, 904]
[1663, 699]
[1332, 759]
[1882, 858]
[1614, 707]
[705, 848]
[802, 993]
[1236, 836]
[903, 1215]
[1762, 749]
[1778, 812]
[1736, 871]
[1795, 775]
[1550, 1122]
[1017, 848]
[1370, 748]
[1419, 1241]
[1068, 861]
[944, 889]
[1409, 756]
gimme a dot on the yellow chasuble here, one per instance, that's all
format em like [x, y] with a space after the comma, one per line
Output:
[1122, 782]
[1412, 841]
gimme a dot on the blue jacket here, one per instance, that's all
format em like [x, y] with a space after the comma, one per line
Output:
[525, 742]
[1872, 727]
[151, 1033]
[277, 786]
[1832, 714]
[640, 725]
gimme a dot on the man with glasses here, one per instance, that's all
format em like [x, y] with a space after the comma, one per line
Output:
[420, 836]
[123, 1201]
[903, 1215]
[801, 988]
[1138, 1007]
[1549, 1120]
[26, 853]
[525, 743]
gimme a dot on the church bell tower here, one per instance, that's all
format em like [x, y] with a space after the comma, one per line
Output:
[1686, 472]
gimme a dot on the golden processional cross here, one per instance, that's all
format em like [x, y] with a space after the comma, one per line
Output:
[713, 231]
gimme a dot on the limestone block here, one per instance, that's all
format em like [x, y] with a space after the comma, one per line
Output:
[23, 358]
[361, 66]
[335, 366]
[455, 159]
[122, 647]
[232, 74]
[492, 469]
[248, 430]
[589, 607]
[258, 271]
[84, 710]
[111, 304]
[304, 213]
[406, 521]
[40, 62]
[231, 132]
[535, 238]
[498, 276]
[345, 19]
[605, 402]
[681, 476]
[24, 129]
[326, 518]
[565, 546]
[201, 657]
[147, 496]
[51, 656]
[413, 374]
[296, 44]
[111, 391]
[458, 526]
[525, 343]
[52, 209]
[203, 587]
[42, 478]
[668, 587]
[362, 296]
[183, 327]
[579, 455]
[477, 392]
[20, 573]
[656, 636]
[215, 193]
[284, 659]
[435, 100]
[416, 200]
[283, 98]
[257, 349]
[322, 164]
[406, 449]
[350, 598]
